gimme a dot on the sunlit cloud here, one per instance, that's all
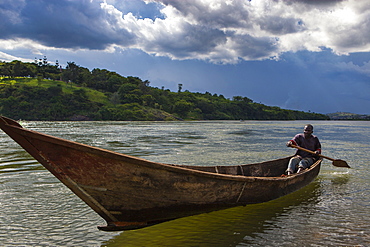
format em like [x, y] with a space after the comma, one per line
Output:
[7, 57]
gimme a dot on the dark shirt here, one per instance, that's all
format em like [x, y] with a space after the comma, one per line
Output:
[312, 143]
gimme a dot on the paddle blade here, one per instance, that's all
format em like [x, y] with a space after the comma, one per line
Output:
[340, 163]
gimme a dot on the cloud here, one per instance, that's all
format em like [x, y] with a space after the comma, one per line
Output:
[8, 57]
[60, 24]
[351, 67]
[218, 31]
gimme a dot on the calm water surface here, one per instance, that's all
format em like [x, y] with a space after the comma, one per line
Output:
[334, 210]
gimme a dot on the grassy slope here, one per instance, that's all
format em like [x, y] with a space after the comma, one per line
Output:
[92, 94]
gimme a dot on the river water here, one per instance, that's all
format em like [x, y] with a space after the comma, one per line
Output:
[334, 210]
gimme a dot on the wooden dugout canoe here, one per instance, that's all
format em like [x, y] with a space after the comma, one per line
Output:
[130, 192]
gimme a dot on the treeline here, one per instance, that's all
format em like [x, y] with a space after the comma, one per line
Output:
[348, 116]
[41, 91]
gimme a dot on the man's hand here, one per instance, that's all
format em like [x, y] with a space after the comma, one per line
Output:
[289, 143]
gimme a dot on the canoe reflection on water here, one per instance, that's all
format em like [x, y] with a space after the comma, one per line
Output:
[244, 226]
[130, 192]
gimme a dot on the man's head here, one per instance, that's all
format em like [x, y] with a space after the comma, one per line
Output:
[308, 130]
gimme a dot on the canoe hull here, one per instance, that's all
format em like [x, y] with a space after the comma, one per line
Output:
[131, 193]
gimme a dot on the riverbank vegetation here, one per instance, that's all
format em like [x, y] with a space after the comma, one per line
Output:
[41, 91]
[348, 116]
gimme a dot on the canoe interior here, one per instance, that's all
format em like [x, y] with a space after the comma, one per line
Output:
[273, 168]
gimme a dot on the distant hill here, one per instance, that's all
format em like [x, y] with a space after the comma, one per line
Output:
[348, 116]
[40, 91]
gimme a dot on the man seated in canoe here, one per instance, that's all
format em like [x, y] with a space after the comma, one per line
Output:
[302, 159]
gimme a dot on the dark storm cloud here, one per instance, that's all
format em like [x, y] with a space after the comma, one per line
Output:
[219, 14]
[278, 25]
[193, 39]
[62, 24]
[252, 48]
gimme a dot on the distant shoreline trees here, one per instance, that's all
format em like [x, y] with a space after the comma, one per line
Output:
[125, 98]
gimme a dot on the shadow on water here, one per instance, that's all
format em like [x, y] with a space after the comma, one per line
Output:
[340, 180]
[244, 132]
[228, 227]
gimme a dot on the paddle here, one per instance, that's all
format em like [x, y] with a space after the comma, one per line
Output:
[336, 162]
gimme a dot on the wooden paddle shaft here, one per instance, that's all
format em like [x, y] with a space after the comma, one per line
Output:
[336, 162]
[312, 152]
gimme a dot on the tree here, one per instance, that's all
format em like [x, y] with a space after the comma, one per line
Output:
[71, 72]
[148, 100]
[114, 82]
[115, 98]
[237, 98]
[182, 107]
[126, 88]
[99, 78]
[17, 67]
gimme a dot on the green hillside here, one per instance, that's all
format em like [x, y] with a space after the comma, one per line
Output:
[76, 93]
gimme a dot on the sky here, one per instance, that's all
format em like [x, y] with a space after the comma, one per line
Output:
[307, 55]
